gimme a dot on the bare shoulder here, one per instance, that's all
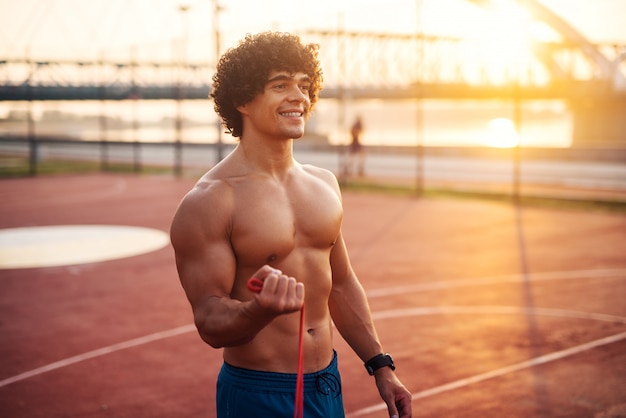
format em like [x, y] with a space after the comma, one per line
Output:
[322, 174]
[208, 190]
[206, 208]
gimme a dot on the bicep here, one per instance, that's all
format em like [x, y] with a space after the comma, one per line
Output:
[346, 291]
[205, 271]
[204, 256]
[340, 263]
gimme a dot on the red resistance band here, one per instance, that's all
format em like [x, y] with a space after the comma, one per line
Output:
[255, 285]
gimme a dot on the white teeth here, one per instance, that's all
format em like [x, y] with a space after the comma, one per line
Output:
[292, 114]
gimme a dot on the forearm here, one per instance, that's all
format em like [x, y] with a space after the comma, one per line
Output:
[223, 322]
[352, 317]
[354, 322]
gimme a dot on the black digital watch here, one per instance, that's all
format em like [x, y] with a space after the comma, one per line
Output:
[378, 361]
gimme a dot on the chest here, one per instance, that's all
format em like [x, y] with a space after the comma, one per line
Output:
[273, 220]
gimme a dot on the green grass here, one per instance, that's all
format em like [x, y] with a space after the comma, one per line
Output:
[12, 167]
[618, 206]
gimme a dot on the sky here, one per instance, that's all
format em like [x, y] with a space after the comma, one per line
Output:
[157, 30]
[154, 29]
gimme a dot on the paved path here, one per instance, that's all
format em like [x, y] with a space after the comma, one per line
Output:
[604, 180]
[490, 310]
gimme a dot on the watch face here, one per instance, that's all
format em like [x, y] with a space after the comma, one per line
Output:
[382, 360]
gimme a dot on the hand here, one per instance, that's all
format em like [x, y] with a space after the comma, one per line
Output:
[395, 395]
[276, 292]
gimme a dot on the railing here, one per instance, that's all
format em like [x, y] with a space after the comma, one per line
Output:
[597, 174]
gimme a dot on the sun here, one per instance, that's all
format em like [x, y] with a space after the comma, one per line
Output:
[502, 133]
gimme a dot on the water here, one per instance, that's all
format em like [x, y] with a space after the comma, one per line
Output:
[445, 122]
[544, 123]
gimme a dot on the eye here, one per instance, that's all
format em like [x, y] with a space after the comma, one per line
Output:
[305, 87]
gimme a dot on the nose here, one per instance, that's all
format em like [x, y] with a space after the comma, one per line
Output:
[297, 94]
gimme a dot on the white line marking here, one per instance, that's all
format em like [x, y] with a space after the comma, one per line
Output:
[61, 245]
[500, 310]
[516, 278]
[380, 315]
[99, 352]
[499, 372]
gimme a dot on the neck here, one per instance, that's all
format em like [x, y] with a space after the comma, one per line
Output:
[274, 157]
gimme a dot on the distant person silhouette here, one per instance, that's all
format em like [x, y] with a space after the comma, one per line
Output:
[356, 158]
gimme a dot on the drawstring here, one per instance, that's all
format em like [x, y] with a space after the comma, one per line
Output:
[328, 384]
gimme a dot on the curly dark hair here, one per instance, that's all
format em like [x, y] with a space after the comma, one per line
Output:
[242, 72]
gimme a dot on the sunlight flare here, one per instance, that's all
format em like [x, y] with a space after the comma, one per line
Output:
[502, 134]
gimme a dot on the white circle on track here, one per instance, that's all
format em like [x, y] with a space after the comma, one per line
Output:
[62, 245]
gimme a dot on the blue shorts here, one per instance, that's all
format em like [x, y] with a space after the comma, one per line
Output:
[250, 393]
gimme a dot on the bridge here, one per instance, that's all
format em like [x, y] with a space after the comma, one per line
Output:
[590, 77]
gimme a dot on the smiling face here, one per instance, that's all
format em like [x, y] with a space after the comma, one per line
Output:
[281, 109]
[243, 73]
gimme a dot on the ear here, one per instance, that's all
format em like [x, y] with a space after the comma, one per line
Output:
[243, 109]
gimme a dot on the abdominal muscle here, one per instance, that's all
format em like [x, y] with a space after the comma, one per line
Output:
[275, 348]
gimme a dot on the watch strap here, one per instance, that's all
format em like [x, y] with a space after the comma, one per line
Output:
[378, 361]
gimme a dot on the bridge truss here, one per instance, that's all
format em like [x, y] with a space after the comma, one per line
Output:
[374, 65]
[366, 64]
